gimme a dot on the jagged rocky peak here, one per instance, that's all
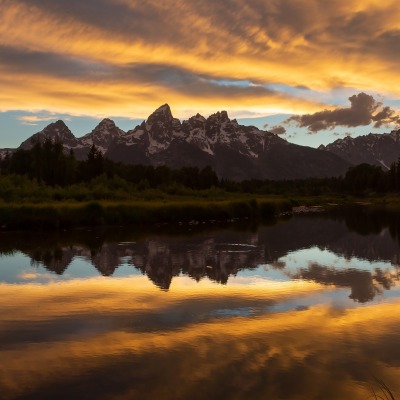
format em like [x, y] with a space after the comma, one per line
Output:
[56, 131]
[346, 141]
[219, 117]
[60, 124]
[162, 120]
[220, 128]
[106, 123]
[157, 132]
[105, 133]
[162, 114]
[107, 126]
[195, 122]
[198, 117]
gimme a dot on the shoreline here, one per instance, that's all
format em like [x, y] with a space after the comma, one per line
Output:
[102, 213]
[177, 211]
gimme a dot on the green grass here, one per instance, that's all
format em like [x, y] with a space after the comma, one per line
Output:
[61, 215]
[26, 204]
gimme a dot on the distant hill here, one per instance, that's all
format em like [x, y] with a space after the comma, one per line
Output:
[374, 149]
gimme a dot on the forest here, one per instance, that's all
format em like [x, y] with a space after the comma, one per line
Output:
[46, 172]
[46, 188]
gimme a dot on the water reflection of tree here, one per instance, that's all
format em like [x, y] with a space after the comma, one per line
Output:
[366, 219]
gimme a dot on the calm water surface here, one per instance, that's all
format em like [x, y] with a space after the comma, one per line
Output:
[307, 308]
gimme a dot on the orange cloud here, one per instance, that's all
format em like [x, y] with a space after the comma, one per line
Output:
[351, 44]
[239, 354]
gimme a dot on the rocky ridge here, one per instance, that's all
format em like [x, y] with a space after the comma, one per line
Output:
[374, 149]
[234, 151]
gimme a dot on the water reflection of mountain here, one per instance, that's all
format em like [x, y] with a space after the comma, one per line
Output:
[220, 254]
[217, 256]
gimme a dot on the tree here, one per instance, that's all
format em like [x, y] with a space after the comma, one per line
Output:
[94, 165]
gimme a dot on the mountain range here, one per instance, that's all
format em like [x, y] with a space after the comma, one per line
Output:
[234, 151]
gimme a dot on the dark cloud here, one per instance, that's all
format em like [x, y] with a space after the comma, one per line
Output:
[156, 21]
[277, 130]
[388, 45]
[103, 14]
[45, 63]
[179, 79]
[363, 32]
[386, 114]
[364, 110]
[188, 82]
[229, 24]
[150, 21]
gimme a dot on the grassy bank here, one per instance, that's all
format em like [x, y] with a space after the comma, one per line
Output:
[64, 215]
[27, 205]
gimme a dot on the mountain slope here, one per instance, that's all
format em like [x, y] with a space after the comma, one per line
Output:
[234, 151]
[297, 162]
[375, 149]
[103, 135]
[56, 131]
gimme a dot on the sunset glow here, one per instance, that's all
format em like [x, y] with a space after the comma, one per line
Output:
[125, 57]
[289, 334]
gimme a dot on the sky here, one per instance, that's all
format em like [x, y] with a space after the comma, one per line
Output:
[311, 71]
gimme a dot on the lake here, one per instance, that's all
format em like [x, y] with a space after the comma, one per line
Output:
[307, 307]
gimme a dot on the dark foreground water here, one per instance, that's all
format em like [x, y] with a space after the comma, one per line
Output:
[308, 308]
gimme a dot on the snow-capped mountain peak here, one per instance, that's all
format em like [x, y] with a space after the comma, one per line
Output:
[56, 131]
[219, 117]
[106, 123]
[162, 115]
[105, 133]
[376, 149]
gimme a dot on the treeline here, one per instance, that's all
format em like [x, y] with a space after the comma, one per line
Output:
[360, 180]
[46, 166]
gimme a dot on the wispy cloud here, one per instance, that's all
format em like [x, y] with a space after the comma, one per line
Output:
[36, 119]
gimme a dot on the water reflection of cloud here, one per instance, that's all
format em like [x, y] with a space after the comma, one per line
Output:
[304, 257]
[120, 293]
[233, 357]
[28, 276]
[36, 276]
[366, 279]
